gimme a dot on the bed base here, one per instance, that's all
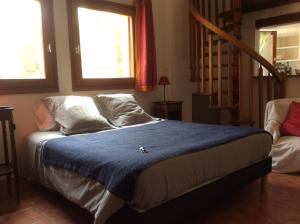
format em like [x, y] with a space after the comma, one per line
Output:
[177, 210]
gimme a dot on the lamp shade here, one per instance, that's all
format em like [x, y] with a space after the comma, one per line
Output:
[164, 80]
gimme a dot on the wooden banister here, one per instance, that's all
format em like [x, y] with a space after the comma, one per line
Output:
[234, 41]
[216, 63]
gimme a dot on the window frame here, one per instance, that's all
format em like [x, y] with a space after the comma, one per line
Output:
[78, 82]
[50, 82]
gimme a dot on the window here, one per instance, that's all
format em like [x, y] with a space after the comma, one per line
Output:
[27, 55]
[101, 45]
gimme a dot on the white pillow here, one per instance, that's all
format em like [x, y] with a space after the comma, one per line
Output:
[76, 114]
[122, 110]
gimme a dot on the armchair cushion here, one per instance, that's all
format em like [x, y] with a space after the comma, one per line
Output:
[291, 126]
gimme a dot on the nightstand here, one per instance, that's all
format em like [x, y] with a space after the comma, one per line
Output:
[171, 110]
[9, 168]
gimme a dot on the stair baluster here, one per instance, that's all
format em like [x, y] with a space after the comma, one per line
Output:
[269, 86]
[240, 85]
[250, 80]
[192, 48]
[220, 73]
[229, 77]
[203, 59]
[210, 68]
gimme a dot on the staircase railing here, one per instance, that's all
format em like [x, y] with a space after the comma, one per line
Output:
[215, 52]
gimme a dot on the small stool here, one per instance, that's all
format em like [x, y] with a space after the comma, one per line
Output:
[10, 165]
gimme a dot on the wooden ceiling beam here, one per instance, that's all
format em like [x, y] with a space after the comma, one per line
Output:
[257, 5]
[278, 20]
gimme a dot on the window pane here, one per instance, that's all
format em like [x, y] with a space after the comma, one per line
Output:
[104, 44]
[21, 40]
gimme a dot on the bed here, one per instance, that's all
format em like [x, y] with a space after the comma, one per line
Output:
[162, 185]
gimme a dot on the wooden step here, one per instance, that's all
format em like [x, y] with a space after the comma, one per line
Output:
[6, 169]
[225, 52]
[216, 93]
[215, 42]
[228, 28]
[225, 107]
[242, 122]
[216, 66]
[201, 94]
[227, 15]
[215, 78]
[225, 92]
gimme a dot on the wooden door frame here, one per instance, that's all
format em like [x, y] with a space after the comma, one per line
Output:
[274, 51]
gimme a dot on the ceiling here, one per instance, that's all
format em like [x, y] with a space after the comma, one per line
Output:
[256, 5]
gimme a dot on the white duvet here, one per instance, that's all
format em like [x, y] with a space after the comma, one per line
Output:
[156, 185]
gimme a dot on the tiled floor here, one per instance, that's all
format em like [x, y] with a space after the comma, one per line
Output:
[279, 205]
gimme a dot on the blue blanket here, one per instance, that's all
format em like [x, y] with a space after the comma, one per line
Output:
[115, 158]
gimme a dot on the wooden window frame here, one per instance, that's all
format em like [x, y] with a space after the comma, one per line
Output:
[78, 82]
[50, 82]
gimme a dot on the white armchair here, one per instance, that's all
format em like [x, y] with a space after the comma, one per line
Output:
[286, 149]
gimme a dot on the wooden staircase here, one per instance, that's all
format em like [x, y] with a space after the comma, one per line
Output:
[218, 63]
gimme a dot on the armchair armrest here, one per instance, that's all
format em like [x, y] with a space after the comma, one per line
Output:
[273, 127]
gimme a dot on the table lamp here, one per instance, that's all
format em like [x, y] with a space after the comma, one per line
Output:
[164, 81]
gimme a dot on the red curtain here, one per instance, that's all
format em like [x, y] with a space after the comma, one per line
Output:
[145, 55]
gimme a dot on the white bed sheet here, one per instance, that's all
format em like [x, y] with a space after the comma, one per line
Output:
[156, 185]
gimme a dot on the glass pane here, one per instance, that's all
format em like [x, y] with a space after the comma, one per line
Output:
[104, 44]
[21, 40]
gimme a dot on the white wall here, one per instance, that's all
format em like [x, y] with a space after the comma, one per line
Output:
[171, 31]
[176, 38]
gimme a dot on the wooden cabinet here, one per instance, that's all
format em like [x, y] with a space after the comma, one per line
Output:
[9, 168]
[171, 110]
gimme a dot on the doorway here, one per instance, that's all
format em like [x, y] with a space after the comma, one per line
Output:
[280, 45]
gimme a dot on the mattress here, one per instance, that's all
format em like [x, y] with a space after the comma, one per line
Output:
[156, 185]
